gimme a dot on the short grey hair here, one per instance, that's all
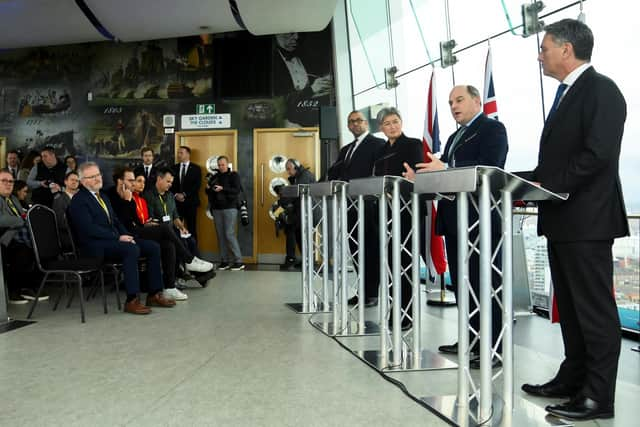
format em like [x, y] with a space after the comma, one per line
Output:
[574, 32]
[473, 91]
[84, 166]
[386, 112]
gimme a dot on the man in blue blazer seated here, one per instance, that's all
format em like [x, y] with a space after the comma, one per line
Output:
[478, 141]
[100, 234]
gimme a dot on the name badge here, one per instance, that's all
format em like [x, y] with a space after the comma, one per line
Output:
[166, 218]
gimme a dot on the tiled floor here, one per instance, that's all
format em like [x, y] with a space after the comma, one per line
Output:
[234, 355]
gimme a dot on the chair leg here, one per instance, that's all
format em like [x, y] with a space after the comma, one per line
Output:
[116, 280]
[35, 301]
[100, 277]
[55, 305]
[79, 277]
[72, 293]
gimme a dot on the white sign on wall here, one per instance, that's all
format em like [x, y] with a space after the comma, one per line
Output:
[206, 121]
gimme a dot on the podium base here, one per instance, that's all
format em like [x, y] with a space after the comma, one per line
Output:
[297, 307]
[524, 413]
[425, 361]
[440, 298]
[351, 330]
[11, 325]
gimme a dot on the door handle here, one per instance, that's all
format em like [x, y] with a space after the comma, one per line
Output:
[262, 184]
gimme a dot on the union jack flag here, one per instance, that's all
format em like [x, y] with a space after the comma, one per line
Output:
[431, 144]
[431, 133]
[490, 105]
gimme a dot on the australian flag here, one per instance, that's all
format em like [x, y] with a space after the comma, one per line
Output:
[490, 105]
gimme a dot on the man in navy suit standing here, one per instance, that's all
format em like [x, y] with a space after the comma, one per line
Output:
[356, 160]
[100, 234]
[186, 188]
[579, 154]
[478, 141]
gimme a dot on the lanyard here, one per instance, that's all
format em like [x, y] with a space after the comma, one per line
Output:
[164, 205]
[12, 206]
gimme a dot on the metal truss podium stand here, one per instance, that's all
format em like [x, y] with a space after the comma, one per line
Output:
[488, 188]
[394, 195]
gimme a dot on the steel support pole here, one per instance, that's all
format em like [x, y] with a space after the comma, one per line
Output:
[361, 261]
[312, 250]
[484, 206]
[307, 275]
[507, 301]
[463, 299]
[415, 275]
[335, 271]
[383, 290]
[325, 254]
[344, 243]
[396, 274]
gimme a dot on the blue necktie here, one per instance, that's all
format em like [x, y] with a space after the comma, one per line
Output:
[561, 88]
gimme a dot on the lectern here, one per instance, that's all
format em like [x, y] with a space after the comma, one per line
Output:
[488, 188]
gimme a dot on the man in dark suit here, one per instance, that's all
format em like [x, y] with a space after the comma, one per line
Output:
[356, 160]
[146, 168]
[100, 234]
[478, 141]
[579, 154]
[185, 188]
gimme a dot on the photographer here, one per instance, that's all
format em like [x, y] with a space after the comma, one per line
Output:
[223, 190]
[297, 175]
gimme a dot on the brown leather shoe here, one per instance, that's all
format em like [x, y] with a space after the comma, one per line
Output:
[135, 307]
[158, 300]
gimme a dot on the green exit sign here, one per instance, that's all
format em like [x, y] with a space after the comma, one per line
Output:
[205, 108]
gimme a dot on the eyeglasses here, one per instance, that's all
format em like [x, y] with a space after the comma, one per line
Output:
[7, 181]
[98, 175]
[355, 121]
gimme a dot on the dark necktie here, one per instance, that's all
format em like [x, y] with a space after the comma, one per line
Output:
[14, 173]
[347, 158]
[454, 143]
[146, 172]
[556, 101]
[183, 172]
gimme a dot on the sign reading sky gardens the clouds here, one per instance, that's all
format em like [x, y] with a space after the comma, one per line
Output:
[206, 121]
[205, 108]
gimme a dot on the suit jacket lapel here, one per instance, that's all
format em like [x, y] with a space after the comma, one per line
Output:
[572, 93]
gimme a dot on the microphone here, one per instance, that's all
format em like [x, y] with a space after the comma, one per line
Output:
[375, 164]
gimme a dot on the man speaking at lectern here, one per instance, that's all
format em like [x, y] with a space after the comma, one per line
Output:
[579, 154]
[478, 141]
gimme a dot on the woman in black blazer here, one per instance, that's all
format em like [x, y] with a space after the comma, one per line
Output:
[398, 150]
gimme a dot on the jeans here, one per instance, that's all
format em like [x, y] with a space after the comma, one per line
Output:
[225, 222]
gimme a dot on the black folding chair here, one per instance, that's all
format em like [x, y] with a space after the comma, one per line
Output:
[51, 261]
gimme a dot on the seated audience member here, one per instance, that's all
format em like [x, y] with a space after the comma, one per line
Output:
[60, 205]
[127, 207]
[46, 178]
[21, 191]
[162, 206]
[100, 234]
[16, 245]
[72, 164]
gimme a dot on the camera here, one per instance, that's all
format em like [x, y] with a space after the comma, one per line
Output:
[244, 212]
[211, 178]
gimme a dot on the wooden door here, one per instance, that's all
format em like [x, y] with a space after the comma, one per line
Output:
[203, 145]
[271, 149]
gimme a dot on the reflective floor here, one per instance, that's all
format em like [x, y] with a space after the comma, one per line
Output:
[235, 355]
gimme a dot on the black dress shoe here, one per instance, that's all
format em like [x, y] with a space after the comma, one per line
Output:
[404, 326]
[370, 302]
[353, 300]
[449, 349]
[581, 408]
[475, 362]
[551, 389]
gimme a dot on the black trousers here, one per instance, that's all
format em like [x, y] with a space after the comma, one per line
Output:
[172, 250]
[188, 212]
[582, 274]
[451, 243]
[293, 233]
[371, 268]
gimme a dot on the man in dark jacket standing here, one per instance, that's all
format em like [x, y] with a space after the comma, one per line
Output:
[46, 177]
[223, 190]
[185, 188]
[356, 160]
[579, 155]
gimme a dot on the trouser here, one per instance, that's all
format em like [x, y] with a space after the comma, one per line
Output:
[225, 222]
[172, 250]
[188, 212]
[582, 274]
[293, 233]
[371, 268]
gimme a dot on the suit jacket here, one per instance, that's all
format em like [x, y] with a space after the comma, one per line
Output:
[484, 143]
[579, 155]
[151, 180]
[9, 223]
[361, 162]
[89, 220]
[392, 157]
[191, 185]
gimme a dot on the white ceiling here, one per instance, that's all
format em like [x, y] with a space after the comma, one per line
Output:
[25, 23]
